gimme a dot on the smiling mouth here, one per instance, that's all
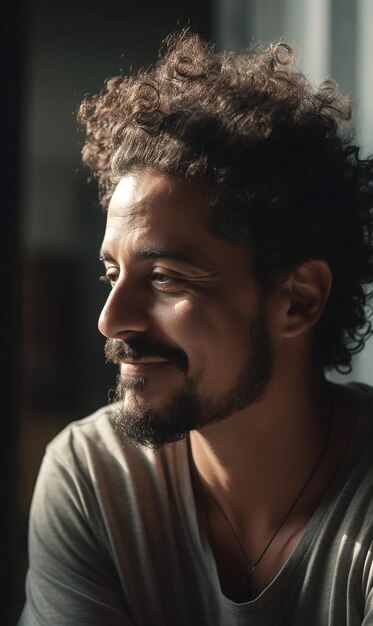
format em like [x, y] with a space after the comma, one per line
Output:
[141, 367]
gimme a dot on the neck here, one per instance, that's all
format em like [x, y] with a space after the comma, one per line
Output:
[257, 459]
[252, 466]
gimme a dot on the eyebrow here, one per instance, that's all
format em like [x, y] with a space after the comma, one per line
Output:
[154, 253]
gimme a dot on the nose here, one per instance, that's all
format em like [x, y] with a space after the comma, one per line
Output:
[124, 313]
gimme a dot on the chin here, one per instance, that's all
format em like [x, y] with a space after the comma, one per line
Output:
[139, 400]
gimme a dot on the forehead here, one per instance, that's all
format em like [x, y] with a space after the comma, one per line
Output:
[150, 209]
[149, 199]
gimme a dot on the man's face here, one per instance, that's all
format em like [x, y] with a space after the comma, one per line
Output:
[183, 319]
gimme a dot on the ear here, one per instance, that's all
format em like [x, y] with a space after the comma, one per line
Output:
[304, 296]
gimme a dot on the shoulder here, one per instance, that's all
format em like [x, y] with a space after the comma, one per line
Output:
[94, 437]
[90, 450]
[352, 485]
[91, 484]
[359, 454]
[92, 431]
[362, 434]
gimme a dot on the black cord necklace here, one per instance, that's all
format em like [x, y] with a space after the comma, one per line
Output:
[243, 593]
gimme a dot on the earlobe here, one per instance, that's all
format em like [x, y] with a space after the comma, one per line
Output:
[308, 291]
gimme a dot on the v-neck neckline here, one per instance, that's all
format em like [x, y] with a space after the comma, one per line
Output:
[291, 565]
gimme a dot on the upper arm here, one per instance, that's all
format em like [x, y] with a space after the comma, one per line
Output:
[71, 578]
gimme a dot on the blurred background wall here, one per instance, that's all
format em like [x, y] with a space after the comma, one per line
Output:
[69, 49]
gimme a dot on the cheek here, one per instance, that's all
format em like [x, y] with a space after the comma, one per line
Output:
[211, 331]
[198, 322]
[170, 315]
[183, 310]
[186, 324]
[181, 315]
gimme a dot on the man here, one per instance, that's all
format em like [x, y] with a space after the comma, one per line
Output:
[229, 483]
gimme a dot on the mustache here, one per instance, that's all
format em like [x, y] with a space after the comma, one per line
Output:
[140, 347]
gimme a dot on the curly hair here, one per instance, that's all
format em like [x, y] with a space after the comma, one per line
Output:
[290, 185]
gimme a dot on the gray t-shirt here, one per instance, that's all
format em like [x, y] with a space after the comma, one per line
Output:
[114, 541]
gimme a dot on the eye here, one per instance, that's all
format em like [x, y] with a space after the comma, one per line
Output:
[161, 278]
[163, 281]
[105, 279]
[110, 278]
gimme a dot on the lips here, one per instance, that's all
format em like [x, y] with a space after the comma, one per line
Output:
[141, 351]
[141, 367]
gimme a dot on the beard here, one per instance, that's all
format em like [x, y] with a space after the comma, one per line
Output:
[190, 408]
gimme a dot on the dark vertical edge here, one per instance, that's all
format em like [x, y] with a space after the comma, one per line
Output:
[12, 55]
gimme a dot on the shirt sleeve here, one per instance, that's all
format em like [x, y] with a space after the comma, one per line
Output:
[71, 578]
[368, 614]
